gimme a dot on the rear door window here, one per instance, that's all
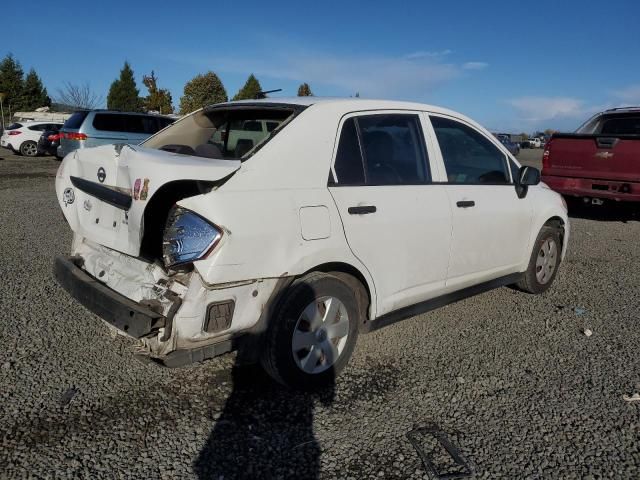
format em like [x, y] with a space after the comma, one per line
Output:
[386, 149]
[110, 122]
[348, 165]
[139, 124]
[252, 126]
[469, 157]
[271, 126]
[620, 126]
[39, 128]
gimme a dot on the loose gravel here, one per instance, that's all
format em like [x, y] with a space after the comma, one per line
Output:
[511, 378]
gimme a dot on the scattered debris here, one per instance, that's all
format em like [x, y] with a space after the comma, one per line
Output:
[633, 398]
[440, 457]
[579, 311]
[588, 332]
[68, 395]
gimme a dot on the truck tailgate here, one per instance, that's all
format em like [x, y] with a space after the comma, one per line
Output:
[593, 156]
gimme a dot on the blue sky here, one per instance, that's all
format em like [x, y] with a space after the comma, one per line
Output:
[512, 66]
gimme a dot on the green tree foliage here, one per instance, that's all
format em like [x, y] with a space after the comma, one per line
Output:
[34, 95]
[159, 99]
[250, 90]
[200, 91]
[11, 84]
[304, 90]
[123, 94]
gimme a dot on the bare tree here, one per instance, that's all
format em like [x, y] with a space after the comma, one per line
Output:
[79, 97]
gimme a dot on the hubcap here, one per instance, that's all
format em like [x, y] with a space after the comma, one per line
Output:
[320, 335]
[30, 149]
[546, 261]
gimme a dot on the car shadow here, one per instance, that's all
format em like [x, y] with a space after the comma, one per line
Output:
[265, 430]
[608, 212]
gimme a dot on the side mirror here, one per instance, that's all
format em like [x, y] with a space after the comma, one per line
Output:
[528, 176]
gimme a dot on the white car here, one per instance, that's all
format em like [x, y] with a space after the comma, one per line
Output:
[243, 135]
[535, 143]
[23, 137]
[351, 215]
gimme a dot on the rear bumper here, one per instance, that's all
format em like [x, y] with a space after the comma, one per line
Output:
[589, 187]
[132, 318]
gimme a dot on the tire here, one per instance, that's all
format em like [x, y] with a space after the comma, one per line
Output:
[304, 356]
[29, 149]
[544, 262]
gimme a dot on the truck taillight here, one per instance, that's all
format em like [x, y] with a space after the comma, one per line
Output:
[75, 136]
[546, 156]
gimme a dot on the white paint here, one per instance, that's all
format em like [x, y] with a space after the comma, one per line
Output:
[280, 219]
[315, 223]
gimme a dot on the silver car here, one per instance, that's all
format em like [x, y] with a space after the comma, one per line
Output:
[92, 128]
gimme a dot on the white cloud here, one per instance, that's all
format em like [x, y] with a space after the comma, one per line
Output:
[538, 109]
[630, 94]
[424, 54]
[412, 76]
[475, 65]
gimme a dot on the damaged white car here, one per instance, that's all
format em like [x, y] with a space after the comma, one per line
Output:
[341, 217]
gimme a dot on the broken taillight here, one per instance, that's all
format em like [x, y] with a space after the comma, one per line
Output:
[187, 237]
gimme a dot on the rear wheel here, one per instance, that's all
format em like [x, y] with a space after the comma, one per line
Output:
[544, 261]
[29, 148]
[313, 333]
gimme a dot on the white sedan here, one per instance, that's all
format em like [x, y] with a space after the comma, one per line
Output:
[348, 216]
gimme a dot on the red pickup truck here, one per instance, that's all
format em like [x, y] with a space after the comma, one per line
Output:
[601, 160]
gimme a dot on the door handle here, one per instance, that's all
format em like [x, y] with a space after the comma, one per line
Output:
[362, 210]
[466, 203]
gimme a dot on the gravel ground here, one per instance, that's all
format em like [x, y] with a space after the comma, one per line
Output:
[511, 378]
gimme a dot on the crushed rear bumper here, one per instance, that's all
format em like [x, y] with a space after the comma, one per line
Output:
[126, 315]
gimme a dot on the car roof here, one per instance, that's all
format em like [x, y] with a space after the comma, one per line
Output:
[118, 112]
[349, 103]
[27, 123]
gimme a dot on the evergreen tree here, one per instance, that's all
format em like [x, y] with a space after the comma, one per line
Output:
[123, 94]
[34, 95]
[250, 90]
[200, 91]
[11, 82]
[304, 90]
[159, 99]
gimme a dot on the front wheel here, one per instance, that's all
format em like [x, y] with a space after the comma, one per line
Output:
[29, 149]
[544, 261]
[313, 334]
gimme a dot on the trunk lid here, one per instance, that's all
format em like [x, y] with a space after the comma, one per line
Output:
[103, 191]
[603, 157]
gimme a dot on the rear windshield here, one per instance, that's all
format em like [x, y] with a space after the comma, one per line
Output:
[75, 121]
[13, 126]
[143, 124]
[234, 132]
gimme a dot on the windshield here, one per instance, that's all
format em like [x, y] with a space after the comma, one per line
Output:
[227, 132]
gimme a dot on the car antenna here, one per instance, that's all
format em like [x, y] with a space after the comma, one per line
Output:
[261, 95]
